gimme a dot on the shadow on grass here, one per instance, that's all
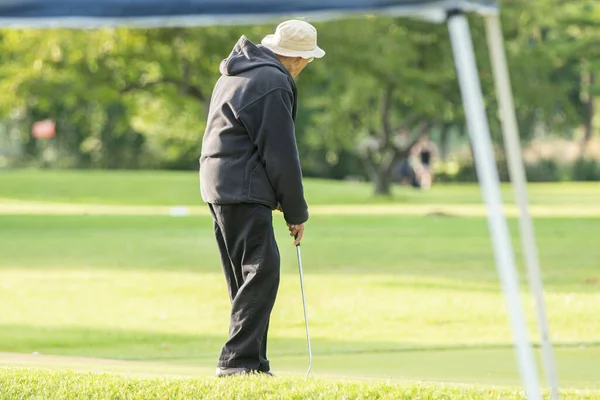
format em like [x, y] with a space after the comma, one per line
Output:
[153, 346]
[169, 353]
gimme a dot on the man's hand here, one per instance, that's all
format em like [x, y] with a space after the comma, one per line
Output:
[279, 207]
[296, 230]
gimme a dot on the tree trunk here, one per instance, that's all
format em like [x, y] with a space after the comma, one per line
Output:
[382, 183]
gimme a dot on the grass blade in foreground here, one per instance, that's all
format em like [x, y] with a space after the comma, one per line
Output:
[19, 383]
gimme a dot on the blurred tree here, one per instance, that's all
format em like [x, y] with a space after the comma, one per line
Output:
[554, 46]
[66, 76]
[578, 46]
[115, 93]
[381, 76]
[136, 98]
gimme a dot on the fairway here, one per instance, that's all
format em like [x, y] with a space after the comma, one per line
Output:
[169, 188]
[405, 298]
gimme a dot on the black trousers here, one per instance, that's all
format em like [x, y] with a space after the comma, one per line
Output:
[251, 264]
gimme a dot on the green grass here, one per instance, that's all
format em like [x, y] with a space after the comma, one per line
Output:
[402, 298]
[395, 297]
[35, 384]
[182, 188]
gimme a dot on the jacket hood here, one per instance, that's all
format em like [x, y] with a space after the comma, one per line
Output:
[246, 56]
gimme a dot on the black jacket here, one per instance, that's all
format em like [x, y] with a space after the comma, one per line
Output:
[249, 152]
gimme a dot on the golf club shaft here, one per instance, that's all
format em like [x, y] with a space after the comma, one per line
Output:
[304, 306]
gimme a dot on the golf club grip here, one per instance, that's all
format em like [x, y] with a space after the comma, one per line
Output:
[296, 237]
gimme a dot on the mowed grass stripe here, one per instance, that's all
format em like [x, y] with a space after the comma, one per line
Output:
[171, 188]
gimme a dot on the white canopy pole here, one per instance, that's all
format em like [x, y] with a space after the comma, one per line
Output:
[487, 173]
[510, 131]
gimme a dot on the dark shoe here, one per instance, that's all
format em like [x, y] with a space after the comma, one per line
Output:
[221, 372]
[268, 373]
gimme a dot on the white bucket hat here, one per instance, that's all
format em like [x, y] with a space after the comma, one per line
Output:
[294, 38]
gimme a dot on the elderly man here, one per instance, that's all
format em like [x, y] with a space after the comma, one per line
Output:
[249, 167]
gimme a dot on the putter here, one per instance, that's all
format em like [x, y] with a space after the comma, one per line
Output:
[304, 305]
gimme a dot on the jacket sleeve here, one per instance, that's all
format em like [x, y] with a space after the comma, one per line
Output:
[270, 124]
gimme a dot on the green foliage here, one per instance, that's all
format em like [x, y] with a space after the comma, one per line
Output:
[467, 172]
[121, 98]
[137, 98]
[586, 169]
[544, 170]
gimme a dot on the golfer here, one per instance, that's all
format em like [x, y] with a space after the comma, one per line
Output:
[249, 167]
